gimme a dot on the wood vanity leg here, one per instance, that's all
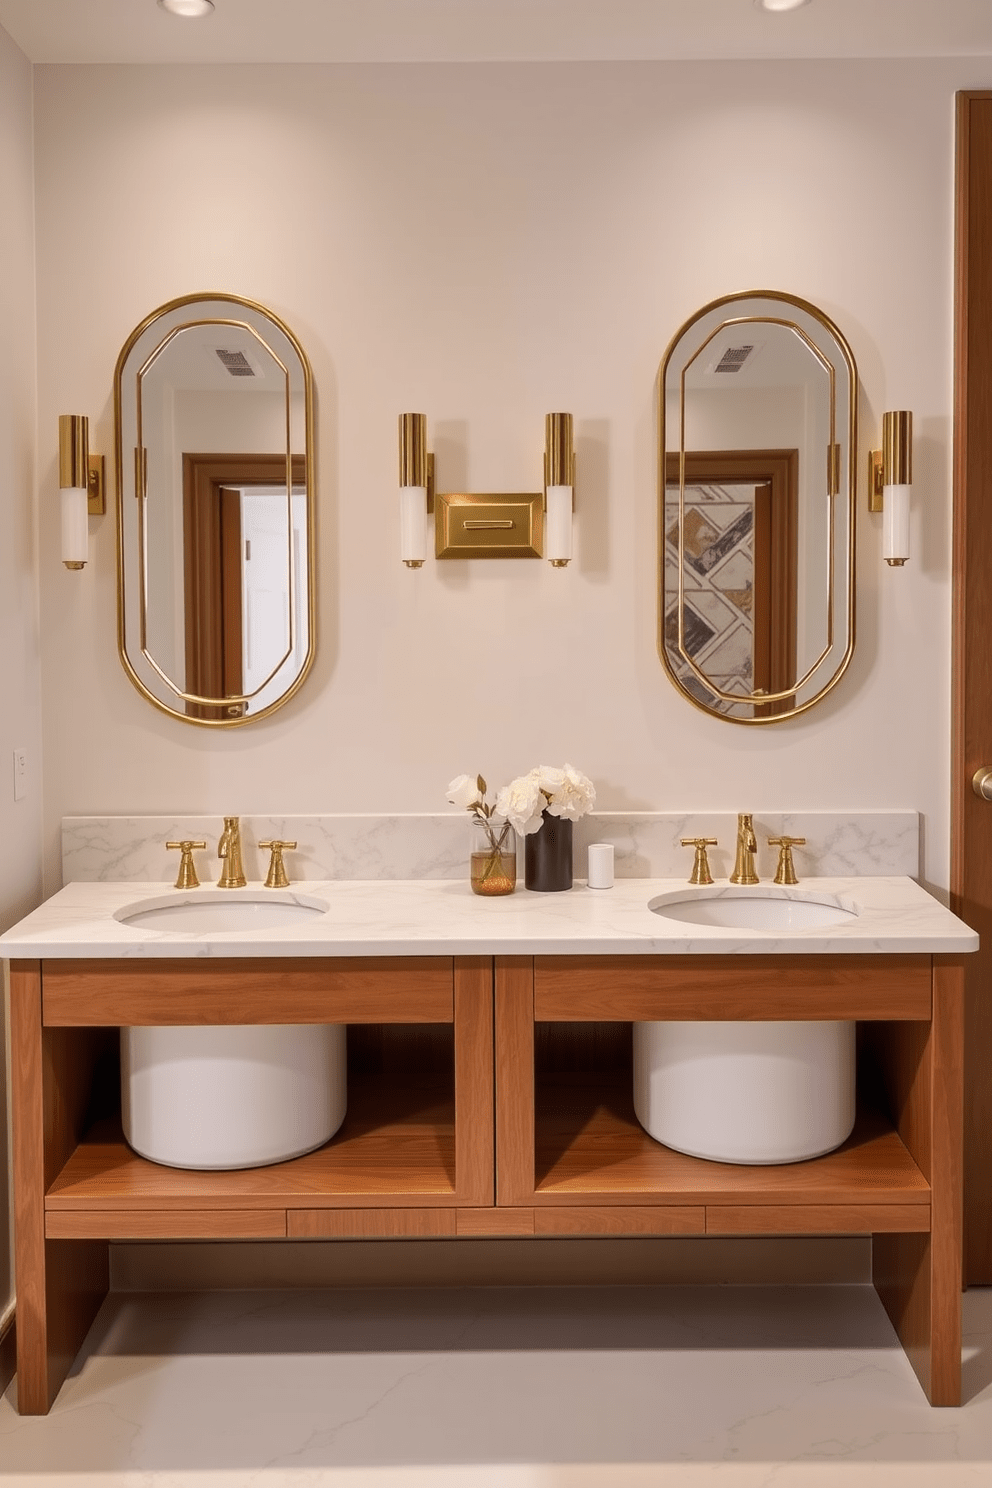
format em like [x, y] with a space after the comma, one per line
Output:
[474, 1138]
[60, 1284]
[514, 1079]
[918, 1277]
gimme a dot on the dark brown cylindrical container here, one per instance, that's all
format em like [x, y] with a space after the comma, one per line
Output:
[548, 856]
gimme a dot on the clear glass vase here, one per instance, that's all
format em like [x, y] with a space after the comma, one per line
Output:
[493, 858]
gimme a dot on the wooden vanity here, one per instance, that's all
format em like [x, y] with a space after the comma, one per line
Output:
[486, 1097]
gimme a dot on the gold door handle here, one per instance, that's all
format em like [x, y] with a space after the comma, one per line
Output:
[981, 782]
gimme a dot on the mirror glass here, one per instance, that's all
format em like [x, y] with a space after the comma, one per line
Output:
[757, 477]
[215, 506]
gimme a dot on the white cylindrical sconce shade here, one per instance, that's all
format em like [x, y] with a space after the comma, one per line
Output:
[73, 482]
[413, 488]
[559, 469]
[895, 524]
[413, 525]
[897, 485]
[558, 526]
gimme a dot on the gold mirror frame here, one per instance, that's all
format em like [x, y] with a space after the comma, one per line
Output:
[133, 476]
[763, 698]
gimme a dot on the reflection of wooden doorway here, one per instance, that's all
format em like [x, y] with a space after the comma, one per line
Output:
[971, 817]
[213, 570]
[774, 475]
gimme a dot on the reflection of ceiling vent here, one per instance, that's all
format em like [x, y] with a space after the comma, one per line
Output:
[238, 364]
[732, 360]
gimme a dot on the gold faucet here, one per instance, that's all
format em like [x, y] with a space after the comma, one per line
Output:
[232, 875]
[747, 846]
[786, 871]
[701, 866]
[277, 877]
[186, 878]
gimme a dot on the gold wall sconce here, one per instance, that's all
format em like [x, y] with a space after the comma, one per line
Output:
[890, 484]
[492, 524]
[81, 482]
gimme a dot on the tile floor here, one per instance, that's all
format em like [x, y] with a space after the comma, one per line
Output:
[570, 1387]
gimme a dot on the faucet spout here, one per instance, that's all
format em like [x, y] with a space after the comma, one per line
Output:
[747, 846]
[232, 875]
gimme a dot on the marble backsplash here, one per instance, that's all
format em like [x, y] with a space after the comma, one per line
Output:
[647, 844]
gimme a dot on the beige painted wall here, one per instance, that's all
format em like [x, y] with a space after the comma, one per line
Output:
[489, 243]
[20, 694]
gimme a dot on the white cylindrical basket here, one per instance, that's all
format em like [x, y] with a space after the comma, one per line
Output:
[746, 1092]
[238, 1097]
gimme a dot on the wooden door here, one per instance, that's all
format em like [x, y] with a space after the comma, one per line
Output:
[971, 817]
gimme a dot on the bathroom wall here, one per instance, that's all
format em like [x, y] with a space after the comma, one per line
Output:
[488, 243]
[20, 695]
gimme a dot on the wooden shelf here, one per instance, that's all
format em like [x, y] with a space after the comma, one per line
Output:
[590, 1147]
[397, 1143]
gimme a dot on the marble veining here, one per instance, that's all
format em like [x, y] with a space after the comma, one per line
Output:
[505, 1387]
[646, 844]
[444, 917]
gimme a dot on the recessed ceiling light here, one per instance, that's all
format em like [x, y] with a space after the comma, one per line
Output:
[191, 10]
[766, 4]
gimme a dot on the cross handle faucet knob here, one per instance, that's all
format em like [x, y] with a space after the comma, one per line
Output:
[187, 878]
[276, 877]
[785, 873]
[701, 866]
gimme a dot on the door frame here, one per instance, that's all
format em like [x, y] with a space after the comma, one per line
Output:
[971, 677]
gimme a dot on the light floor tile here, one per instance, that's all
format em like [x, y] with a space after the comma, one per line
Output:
[604, 1387]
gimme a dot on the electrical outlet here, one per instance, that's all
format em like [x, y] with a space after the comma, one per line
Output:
[20, 774]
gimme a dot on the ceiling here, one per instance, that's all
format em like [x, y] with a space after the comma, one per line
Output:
[494, 30]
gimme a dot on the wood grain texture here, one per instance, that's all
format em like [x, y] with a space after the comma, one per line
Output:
[816, 1219]
[917, 1278]
[746, 988]
[494, 1222]
[591, 1147]
[514, 1079]
[166, 1224]
[397, 1142]
[28, 1163]
[971, 675]
[59, 1287]
[375, 989]
[661, 1219]
[475, 1180]
[947, 1178]
[369, 1224]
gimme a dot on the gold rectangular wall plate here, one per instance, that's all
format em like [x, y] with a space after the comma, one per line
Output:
[875, 473]
[488, 525]
[96, 491]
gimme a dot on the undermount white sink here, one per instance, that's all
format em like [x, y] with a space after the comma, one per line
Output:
[219, 910]
[765, 907]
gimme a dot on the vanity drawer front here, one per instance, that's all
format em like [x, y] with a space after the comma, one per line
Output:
[378, 989]
[165, 1224]
[732, 988]
[658, 1219]
[369, 1224]
[817, 1219]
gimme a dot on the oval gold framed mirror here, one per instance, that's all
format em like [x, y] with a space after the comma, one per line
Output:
[213, 412]
[757, 463]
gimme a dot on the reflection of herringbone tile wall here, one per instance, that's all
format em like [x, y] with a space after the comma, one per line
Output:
[718, 585]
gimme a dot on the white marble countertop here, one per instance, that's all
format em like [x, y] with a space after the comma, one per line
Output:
[443, 917]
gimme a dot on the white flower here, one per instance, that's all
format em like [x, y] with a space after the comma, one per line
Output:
[574, 796]
[549, 778]
[464, 792]
[521, 804]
